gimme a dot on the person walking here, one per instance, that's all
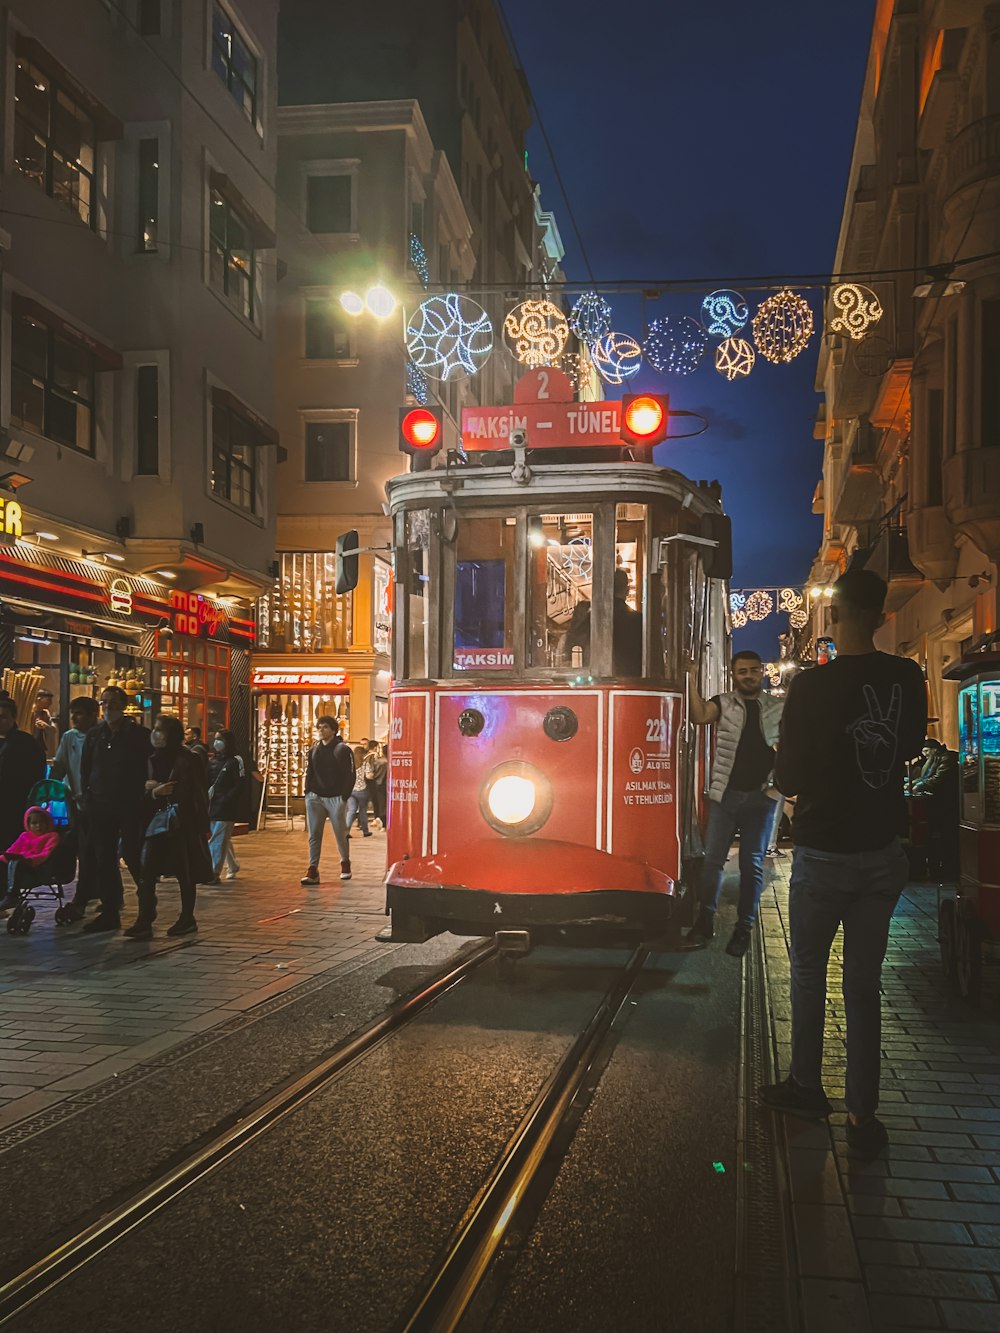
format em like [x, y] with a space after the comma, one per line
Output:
[175, 839]
[330, 780]
[376, 778]
[46, 731]
[741, 799]
[848, 729]
[357, 802]
[22, 764]
[226, 776]
[84, 715]
[112, 778]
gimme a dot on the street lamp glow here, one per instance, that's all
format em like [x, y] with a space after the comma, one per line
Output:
[827, 592]
[815, 592]
[380, 301]
[352, 303]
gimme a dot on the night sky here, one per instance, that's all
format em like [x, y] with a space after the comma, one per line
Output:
[709, 140]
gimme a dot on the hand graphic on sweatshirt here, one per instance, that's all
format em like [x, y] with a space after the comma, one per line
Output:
[876, 736]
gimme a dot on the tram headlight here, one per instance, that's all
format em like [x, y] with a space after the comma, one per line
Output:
[516, 799]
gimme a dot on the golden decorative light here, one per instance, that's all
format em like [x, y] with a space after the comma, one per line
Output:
[740, 618]
[734, 358]
[783, 326]
[789, 599]
[798, 618]
[759, 605]
[859, 308]
[536, 332]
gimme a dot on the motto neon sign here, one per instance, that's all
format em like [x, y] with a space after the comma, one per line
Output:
[194, 614]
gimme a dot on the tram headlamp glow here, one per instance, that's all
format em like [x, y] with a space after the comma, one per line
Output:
[512, 799]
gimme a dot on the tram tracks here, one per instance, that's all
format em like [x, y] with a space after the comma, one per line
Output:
[498, 1217]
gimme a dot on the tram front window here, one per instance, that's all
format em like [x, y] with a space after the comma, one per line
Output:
[560, 587]
[418, 541]
[629, 581]
[484, 600]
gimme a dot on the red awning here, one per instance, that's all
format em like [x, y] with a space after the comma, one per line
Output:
[107, 357]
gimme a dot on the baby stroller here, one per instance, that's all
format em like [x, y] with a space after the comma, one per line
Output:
[49, 877]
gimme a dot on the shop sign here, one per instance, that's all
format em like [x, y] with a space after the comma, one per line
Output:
[267, 678]
[194, 614]
[120, 597]
[381, 608]
[10, 519]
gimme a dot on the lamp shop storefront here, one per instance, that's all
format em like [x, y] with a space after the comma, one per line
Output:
[82, 626]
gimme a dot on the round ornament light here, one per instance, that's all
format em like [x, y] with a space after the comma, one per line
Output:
[789, 599]
[675, 345]
[590, 318]
[798, 618]
[782, 326]
[872, 356]
[759, 605]
[724, 313]
[739, 619]
[617, 357]
[449, 337]
[735, 358]
[858, 309]
[737, 601]
[536, 332]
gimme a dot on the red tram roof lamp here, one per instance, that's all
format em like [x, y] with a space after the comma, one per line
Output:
[644, 415]
[420, 428]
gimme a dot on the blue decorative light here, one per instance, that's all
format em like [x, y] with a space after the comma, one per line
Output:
[590, 318]
[416, 384]
[418, 260]
[737, 601]
[675, 345]
[724, 313]
[449, 337]
[617, 357]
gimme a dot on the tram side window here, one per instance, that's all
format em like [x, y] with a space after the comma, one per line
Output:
[418, 533]
[629, 584]
[560, 588]
[484, 600]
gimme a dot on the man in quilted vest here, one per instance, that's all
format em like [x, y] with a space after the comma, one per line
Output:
[741, 797]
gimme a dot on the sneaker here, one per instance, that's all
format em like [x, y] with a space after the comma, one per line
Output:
[311, 876]
[345, 870]
[790, 1099]
[703, 929]
[104, 921]
[866, 1141]
[739, 941]
[183, 926]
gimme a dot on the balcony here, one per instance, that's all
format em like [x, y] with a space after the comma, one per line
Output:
[890, 559]
[972, 497]
[932, 543]
[819, 502]
[861, 484]
[974, 154]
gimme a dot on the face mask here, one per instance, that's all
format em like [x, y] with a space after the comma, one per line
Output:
[158, 739]
[218, 746]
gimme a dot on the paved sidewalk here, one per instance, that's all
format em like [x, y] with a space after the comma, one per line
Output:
[77, 1009]
[911, 1241]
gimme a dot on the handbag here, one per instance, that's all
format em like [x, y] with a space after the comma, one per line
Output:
[165, 820]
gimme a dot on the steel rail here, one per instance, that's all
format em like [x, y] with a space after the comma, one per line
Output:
[451, 1287]
[28, 1286]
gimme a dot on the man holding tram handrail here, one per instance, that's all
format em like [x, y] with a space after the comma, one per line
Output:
[847, 731]
[741, 799]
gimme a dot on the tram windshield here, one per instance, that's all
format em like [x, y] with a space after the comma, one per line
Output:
[418, 534]
[484, 597]
[560, 589]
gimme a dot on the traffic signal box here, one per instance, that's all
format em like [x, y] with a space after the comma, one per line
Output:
[645, 419]
[421, 434]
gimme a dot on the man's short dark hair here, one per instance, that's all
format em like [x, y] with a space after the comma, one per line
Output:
[8, 705]
[746, 655]
[328, 722]
[85, 703]
[195, 731]
[860, 592]
[116, 692]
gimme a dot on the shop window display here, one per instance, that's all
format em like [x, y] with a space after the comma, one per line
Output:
[304, 613]
[286, 729]
[194, 681]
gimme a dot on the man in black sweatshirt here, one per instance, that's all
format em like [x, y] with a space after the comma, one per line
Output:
[846, 733]
[329, 782]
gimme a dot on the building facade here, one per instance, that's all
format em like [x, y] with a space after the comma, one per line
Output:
[136, 346]
[911, 414]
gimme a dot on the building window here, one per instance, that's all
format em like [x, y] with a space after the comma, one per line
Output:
[327, 336]
[147, 421]
[149, 193]
[234, 458]
[328, 450]
[232, 261]
[330, 203]
[935, 445]
[235, 63]
[149, 18]
[54, 140]
[51, 384]
[988, 379]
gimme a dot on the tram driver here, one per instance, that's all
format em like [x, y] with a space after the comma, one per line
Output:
[626, 633]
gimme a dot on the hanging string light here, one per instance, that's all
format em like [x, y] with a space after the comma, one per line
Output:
[449, 337]
[798, 618]
[724, 313]
[739, 619]
[416, 384]
[675, 345]
[735, 358]
[782, 326]
[418, 260]
[590, 318]
[536, 332]
[617, 357]
[859, 309]
[759, 605]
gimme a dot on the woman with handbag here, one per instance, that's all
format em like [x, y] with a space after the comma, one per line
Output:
[176, 839]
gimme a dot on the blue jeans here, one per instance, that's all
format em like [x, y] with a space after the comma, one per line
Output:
[357, 809]
[220, 846]
[859, 890]
[750, 814]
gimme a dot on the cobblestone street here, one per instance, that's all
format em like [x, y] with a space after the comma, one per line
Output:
[911, 1241]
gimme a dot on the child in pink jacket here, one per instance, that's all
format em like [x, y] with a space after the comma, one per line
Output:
[35, 845]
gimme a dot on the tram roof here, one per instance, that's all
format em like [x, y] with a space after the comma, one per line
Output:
[596, 480]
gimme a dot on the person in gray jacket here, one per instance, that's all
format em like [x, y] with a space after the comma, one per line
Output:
[741, 798]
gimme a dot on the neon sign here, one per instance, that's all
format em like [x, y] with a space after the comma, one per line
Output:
[194, 614]
[267, 678]
[10, 518]
[120, 597]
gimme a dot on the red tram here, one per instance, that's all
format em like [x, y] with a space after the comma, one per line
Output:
[542, 773]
